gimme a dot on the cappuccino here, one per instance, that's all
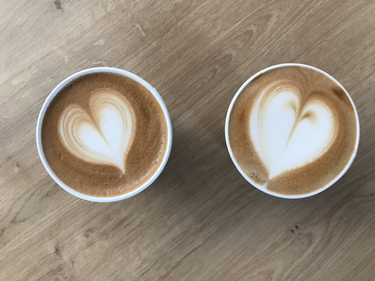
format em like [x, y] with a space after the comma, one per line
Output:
[104, 135]
[292, 130]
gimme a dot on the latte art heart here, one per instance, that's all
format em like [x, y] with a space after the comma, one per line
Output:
[106, 136]
[287, 134]
[292, 130]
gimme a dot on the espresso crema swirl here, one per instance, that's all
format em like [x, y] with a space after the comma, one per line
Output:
[292, 130]
[104, 134]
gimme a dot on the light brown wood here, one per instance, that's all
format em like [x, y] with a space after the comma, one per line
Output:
[200, 220]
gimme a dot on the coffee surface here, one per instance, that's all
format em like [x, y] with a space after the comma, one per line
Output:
[292, 130]
[104, 135]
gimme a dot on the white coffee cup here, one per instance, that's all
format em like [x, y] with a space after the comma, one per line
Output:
[262, 188]
[57, 89]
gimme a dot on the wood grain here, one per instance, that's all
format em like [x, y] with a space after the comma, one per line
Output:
[200, 220]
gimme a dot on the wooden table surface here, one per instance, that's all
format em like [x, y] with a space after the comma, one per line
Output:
[200, 220]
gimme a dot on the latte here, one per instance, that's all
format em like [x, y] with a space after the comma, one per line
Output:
[104, 135]
[292, 130]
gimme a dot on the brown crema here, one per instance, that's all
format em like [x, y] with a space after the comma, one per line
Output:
[313, 176]
[146, 152]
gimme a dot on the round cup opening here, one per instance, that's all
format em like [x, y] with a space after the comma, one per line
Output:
[57, 89]
[239, 167]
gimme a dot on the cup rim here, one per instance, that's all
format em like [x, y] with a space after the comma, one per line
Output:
[334, 180]
[57, 89]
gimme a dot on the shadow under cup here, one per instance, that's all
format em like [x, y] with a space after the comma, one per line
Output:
[254, 134]
[116, 71]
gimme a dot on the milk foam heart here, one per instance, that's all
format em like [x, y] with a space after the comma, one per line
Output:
[286, 133]
[106, 136]
[292, 130]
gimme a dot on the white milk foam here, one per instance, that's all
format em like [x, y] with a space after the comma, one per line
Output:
[106, 137]
[286, 136]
